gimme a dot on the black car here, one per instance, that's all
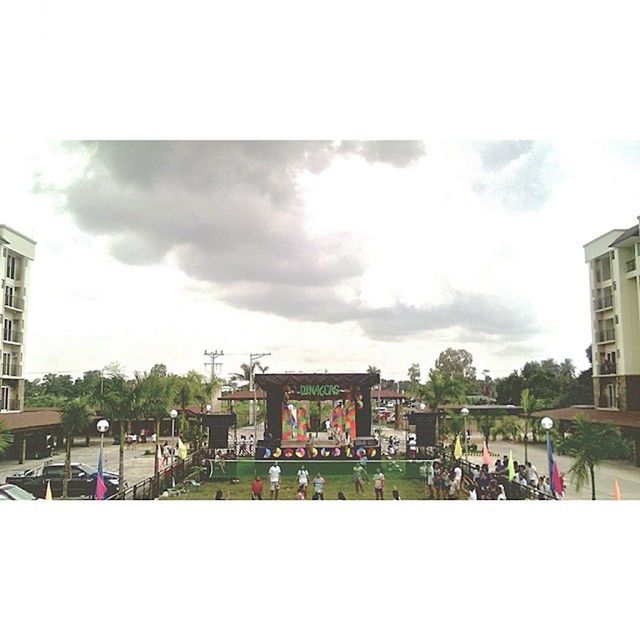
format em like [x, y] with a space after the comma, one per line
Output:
[11, 492]
[81, 484]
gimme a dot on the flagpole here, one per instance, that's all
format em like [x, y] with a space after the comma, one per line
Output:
[547, 423]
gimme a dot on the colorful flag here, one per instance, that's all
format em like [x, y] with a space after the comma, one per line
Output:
[616, 490]
[550, 462]
[49, 494]
[457, 450]
[556, 481]
[182, 449]
[510, 468]
[486, 458]
[101, 487]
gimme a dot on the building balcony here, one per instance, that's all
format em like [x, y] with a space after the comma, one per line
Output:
[604, 302]
[14, 337]
[12, 371]
[608, 368]
[606, 335]
[630, 265]
[14, 302]
[10, 404]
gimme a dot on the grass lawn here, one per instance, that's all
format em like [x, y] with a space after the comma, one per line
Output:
[410, 489]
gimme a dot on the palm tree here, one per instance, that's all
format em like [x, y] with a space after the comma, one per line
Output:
[488, 424]
[119, 406]
[440, 389]
[529, 404]
[6, 438]
[74, 420]
[154, 397]
[591, 444]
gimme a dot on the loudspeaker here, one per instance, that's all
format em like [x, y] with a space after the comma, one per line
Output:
[425, 429]
[217, 426]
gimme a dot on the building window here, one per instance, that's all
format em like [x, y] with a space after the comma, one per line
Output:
[11, 267]
[5, 399]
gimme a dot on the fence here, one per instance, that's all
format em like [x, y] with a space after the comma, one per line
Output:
[513, 490]
[151, 488]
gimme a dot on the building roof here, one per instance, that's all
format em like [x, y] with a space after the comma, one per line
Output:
[265, 380]
[625, 419]
[243, 394]
[632, 232]
[31, 419]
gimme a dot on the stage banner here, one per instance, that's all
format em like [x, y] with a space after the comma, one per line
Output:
[295, 423]
[318, 453]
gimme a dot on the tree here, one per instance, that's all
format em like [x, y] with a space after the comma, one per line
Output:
[438, 390]
[456, 363]
[487, 423]
[74, 420]
[6, 438]
[373, 369]
[159, 370]
[155, 399]
[414, 378]
[529, 405]
[119, 406]
[590, 444]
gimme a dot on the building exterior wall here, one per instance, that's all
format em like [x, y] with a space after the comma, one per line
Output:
[614, 279]
[17, 252]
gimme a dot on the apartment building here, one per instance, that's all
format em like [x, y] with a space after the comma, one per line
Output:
[614, 276]
[18, 252]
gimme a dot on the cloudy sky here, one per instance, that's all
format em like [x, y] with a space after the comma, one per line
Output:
[329, 255]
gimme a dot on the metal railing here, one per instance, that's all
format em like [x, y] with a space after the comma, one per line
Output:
[604, 302]
[608, 368]
[12, 370]
[606, 335]
[514, 490]
[154, 486]
[631, 265]
[15, 302]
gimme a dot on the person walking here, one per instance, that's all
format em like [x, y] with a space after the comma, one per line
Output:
[303, 481]
[358, 479]
[274, 479]
[257, 487]
[318, 487]
[378, 484]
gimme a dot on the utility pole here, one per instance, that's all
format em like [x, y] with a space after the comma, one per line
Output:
[253, 358]
[213, 355]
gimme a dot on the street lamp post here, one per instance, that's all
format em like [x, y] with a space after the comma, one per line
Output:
[173, 414]
[465, 412]
[547, 423]
[103, 427]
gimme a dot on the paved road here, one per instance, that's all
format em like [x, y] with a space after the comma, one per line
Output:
[137, 466]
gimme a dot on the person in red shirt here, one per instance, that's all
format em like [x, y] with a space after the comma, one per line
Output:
[256, 489]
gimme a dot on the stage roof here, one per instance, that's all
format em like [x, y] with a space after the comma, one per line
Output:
[265, 380]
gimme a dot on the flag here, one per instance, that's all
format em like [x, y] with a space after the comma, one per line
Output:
[160, 457]
[616, 490]
[182, 449]
[101, 487]
[556, 481]
[510, 468]
[550, 461]
[49, 494]
[457, 450]
[486, 458]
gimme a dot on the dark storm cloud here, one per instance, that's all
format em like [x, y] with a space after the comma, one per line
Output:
[231, 214]
[519, 174]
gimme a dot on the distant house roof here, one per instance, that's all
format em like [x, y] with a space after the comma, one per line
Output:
[633, 232]
[31, 419]
[244, 394]
[625, 419]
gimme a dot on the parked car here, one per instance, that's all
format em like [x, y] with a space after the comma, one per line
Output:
[81, 484]
[12, 492]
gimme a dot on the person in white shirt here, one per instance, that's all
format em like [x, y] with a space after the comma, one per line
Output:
[457, 479]
[274, 478]
[303, 480]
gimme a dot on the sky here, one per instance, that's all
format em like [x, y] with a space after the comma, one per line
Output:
[329, 255]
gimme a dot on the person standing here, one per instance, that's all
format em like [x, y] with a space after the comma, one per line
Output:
[256, 489]
[251, 443]
[358, 479]
[378, 484]
[274, 479]
[303, 480]
[318, 487]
